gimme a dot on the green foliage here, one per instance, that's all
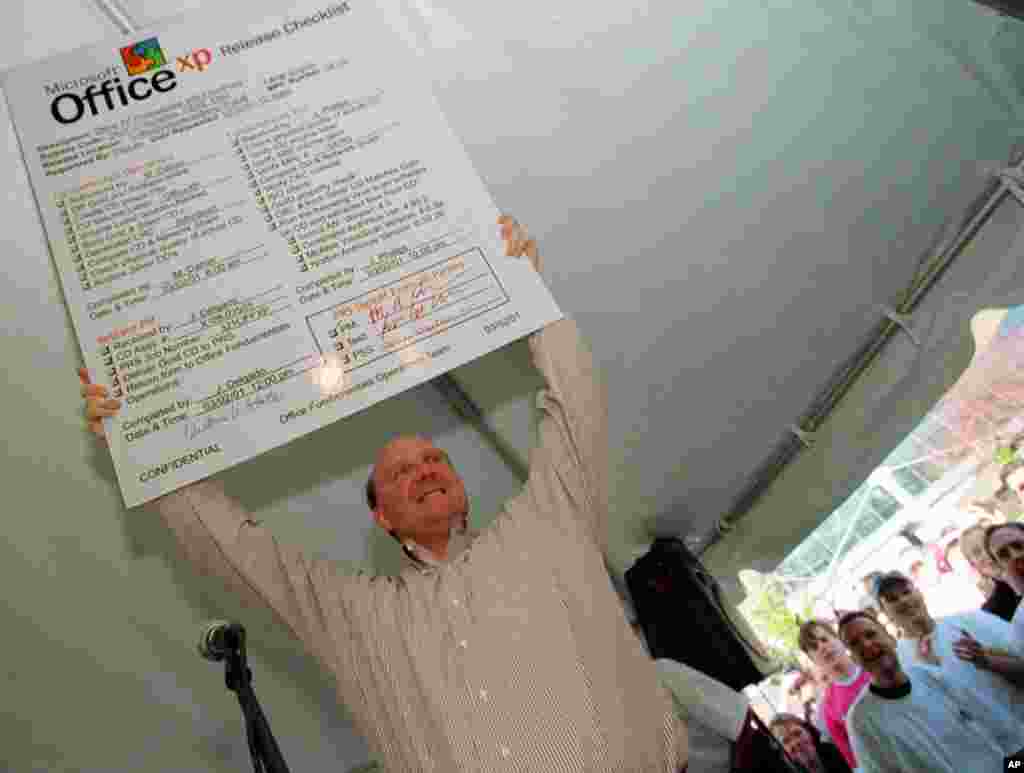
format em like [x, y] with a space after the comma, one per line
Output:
[765, 609]
[1004, 455]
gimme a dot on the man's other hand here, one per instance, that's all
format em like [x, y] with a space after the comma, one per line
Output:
[97, 406]
[518, 242]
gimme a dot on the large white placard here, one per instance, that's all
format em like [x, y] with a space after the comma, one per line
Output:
[260, 228]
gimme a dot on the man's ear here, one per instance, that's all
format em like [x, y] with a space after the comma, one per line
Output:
[386, 526]
[381, 521]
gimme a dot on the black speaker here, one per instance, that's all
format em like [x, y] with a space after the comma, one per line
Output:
[680, 610]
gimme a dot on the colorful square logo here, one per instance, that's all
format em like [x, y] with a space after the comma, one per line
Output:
[143, 56]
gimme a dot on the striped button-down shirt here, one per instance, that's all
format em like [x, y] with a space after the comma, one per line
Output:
[514, 654]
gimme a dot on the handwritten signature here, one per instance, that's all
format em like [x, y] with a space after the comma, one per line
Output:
[237, 409]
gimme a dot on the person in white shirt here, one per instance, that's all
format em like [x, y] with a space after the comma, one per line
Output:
[947, 644]
[911, 720]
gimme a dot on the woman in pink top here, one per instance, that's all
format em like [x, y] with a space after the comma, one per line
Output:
[847, 680]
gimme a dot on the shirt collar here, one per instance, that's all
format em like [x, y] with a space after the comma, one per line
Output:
[891, 693]
[420, 558]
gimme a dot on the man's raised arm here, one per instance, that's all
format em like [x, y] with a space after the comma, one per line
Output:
[569, 466]
[220, 538]
[573, 429]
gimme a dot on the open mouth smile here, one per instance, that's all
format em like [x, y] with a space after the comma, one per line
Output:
[426, 494]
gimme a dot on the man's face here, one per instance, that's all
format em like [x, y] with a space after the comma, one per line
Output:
[419, 494]
[1007, 545]
[829, 654]
[902, 602]
[973, 545]
[798, 743]
[870, 644]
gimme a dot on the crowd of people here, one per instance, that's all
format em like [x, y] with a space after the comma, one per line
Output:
[902, 687]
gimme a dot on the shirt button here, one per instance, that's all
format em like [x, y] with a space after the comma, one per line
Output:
[483, 695]
[505, 752]
[463, 644]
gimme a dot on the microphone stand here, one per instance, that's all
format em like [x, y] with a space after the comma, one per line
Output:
[266, 756]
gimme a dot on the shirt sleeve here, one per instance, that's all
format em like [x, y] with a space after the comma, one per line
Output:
[221, 539]
[569, 464]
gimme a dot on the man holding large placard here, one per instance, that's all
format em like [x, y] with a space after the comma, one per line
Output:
[501, 650]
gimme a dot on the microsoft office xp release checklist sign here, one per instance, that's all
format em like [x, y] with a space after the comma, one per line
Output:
[260, 229]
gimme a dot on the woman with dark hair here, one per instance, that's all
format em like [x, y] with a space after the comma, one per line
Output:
[804, 745]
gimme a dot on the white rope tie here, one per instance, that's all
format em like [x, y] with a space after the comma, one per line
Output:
[805, 437]
[905, 322]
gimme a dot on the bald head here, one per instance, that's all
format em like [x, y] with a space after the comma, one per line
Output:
[396, 445]
[387, 449]
[414, 491]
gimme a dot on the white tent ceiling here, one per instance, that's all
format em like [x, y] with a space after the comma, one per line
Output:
[725, 194]
[887, 403]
